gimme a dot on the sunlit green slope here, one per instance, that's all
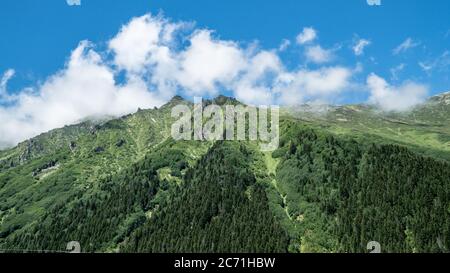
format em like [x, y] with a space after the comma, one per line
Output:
[342, 176]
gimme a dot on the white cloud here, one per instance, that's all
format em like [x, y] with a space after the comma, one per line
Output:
[4, 82]
[395, 98]
[135, 41]
[359, 46]
[396, 70]
[426, 66]
[145, 46]
[284, 45]
[159, 59]
[256, 85]
[207, 62]
[84, 88]
[405, 46]
[441, 63]
[306, 85]
[73, 2]
[308, 35]
[6, 77]
[317, 54]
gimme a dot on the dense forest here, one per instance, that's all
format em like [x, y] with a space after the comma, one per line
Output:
[342, 194]
[102, 219]
[126, 186]
[220, 209]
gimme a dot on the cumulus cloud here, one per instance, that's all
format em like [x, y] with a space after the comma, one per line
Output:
[257, 82]
[317, 54]
[395, 98]
[134, 43]
[84, 88]
[307, 35]
[73, 2]
[159, 59]
[145, 45]
[144, 41]
[359, 46]
[313, 85]
[207, 62]
[207, 65]
[405, 46]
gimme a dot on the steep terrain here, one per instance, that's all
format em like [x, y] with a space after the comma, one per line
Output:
[425, 129]
[343, 176]
[340, 194]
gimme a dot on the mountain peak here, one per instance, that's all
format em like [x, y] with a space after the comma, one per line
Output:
[174, 101]
[442, 98]
[177, 98]
[224, 100]
[443, 94]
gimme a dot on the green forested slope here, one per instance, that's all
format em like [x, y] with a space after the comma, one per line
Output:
[332, 186]
[220, 209]
[101, 218]
[73, 160]
[342, 194]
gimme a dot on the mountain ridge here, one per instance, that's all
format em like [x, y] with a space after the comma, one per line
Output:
[222, 99]
[113, 184]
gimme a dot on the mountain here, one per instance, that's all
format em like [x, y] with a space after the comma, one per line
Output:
[425, 129]
[342, 176]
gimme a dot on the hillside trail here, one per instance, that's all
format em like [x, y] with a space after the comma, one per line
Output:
[271, 165]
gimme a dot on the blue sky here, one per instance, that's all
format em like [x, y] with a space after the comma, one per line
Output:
[38, 36]
[303, 45]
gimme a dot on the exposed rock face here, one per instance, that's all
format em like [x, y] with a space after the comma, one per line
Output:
[30, 146]
[72, 145]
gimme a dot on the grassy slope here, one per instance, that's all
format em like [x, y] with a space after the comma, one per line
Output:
[84, 155]
[425, 129]
[87, 153]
